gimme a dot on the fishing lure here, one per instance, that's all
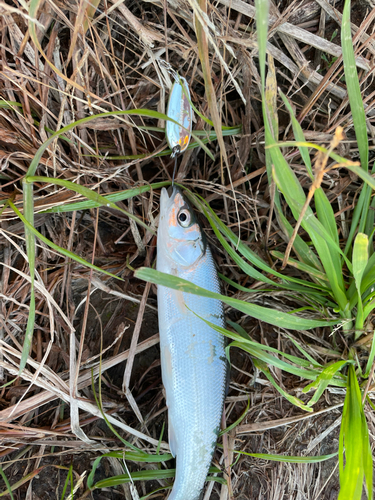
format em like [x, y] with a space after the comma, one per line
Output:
[179, 108]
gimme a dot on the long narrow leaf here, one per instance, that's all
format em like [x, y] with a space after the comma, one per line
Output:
[360, 259]
[292, 399]
[287, 458]
[148, 475]
[353, 88]
[9, 490]
[58, 249]
[262, 30]
[88, 193]
[299, 135]
[113, 197]
[354, 445]
[271, 316]
[323, 380]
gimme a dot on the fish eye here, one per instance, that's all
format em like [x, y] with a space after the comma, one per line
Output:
[184, 218]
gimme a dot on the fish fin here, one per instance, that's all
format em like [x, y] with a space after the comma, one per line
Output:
[172, 438]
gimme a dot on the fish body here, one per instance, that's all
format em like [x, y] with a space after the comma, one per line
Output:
[193, 361]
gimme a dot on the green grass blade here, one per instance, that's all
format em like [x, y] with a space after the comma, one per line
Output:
[270, 316]
[302, 249]
[239, 329]
[325, 214]
[139, 456]
[352, 85]
[149, 475]
[366, 221]
[155, 493]
[360, 206]
[293, 193]
[304, 369]
[207, 137]
[370, 227]
[143, 475]
[237, 422]
[312, 361]
[368, 465]
[58, 249]
[292, 399]
[323, 207]
[360, 260]
[262, 30]
[88, 193]
[30, 249]
[327, 248]
[361, 210]
[365, 176]
[259, 351]
[9, 104]
[9, 489]
[305, 268]
[368, 278]
[371, 358]
[113, 197]
[69, 479]
[323, 380]
[90, 478]
[367, 282]
[299, 135]
[365, 209]
[243, 288]
[288, 459]
[252, 272]
[344, 162]
[353, 443]
[135, 456]
[367, 310]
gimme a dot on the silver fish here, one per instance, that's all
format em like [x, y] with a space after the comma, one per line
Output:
[193, 361]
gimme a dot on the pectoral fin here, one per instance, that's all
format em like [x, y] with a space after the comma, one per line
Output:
[172, 438]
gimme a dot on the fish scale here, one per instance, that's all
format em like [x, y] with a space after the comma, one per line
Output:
[194, 366]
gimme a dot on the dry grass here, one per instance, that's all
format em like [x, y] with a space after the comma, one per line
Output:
[103, 57]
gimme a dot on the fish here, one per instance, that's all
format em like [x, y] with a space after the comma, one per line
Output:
[193, 359]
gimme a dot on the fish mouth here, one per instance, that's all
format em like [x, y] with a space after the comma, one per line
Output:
[172, 191]
[168, 196]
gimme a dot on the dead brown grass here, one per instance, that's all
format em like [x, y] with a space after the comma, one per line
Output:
[102, 56]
